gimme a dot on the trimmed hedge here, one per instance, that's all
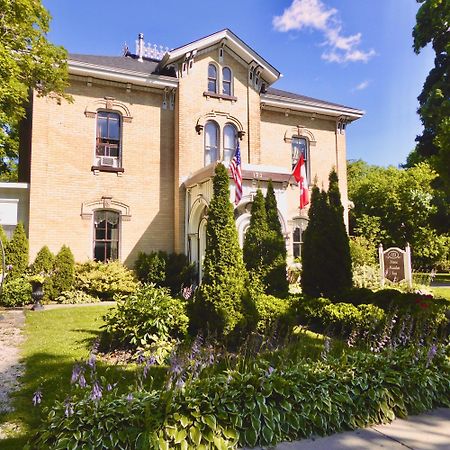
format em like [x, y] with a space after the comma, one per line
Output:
[259, 405]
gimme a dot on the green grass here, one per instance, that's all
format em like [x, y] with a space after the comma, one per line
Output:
[55, 340]
[443, 292]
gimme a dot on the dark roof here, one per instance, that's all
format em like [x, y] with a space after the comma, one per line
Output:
[129, 62]
[304, 98]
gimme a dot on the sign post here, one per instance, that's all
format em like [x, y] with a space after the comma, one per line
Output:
[395, 264]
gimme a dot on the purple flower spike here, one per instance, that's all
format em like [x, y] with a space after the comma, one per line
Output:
[37, 397]
[130, 397]
[431, 354]
[96, 393]
[269, 371]
[92, 360]
[69, 409]
[82, 381]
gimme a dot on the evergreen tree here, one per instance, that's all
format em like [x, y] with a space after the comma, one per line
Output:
[64, 274]
[312, 278]
[44, 262]
[3, 238]
[255, 243]
[326, 261]
[221, 304]
[275, 280]
[17, 252]
[339, 259]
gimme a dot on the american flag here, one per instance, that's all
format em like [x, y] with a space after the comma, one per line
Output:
[235, 168]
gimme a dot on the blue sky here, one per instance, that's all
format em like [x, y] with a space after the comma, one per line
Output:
[353, 52]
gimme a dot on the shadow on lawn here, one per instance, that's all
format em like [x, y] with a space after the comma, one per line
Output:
[51, 374]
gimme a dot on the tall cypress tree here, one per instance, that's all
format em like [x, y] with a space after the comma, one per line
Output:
[64, 276]
[255, 243]
[44, 262]
[339, 250]
[326, 261]
[17, 252]
[313, 248]
[275, 280]
[221, 302]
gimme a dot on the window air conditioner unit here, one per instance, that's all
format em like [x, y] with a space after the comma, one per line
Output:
[107, 161]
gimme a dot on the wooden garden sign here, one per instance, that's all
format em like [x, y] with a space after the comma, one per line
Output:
[395, 264]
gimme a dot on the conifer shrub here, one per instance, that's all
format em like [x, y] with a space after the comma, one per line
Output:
[44, 262]
[151, 267]
[255, 251]
[17, 251]
[222, 304]
[275, 280]
[105, 280]
[326, 260]
[63, 277]
[3, 237]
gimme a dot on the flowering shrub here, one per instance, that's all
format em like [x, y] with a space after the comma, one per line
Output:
[255, 404]
[147, 319]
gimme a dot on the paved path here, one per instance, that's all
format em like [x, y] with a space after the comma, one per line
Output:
[430, 431]
[11, 323]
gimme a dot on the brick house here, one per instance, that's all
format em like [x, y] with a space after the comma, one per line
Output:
[127, 166]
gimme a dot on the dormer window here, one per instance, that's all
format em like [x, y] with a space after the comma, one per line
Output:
[226, 81]
[212, 78]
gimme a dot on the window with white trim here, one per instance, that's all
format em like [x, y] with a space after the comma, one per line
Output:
[108, 137]
[226, 81]
[230, 138]
[212, 78]
[106, 235]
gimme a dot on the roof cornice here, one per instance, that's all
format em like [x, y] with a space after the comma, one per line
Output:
[282, 103]
[228, 38]
[121, 75]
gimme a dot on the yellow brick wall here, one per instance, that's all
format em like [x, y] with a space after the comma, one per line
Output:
[61, 177]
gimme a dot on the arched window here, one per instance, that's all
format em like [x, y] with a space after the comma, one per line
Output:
[107, 149]
[211, 142]
[106, 235]
[212, 78]
[226, 81]
[299, 146]
[229, 141]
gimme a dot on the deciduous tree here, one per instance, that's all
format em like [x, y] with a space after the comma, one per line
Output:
[27, 61]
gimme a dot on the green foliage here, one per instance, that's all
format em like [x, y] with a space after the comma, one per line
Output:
[28, 61]
[275, 280]
[275, 314]
[105, 280]
[151, 268]
[255, 249]
[44, 262]
[171, 270]
[326, 261]
[366, 276]
[17, 252]
[75, 297]
[146, 320]
[3, 237]
[362, 251]
[16, 292]
[63, 277]
[395, 206]
[257, 405]
[221, 304]
[433, 18]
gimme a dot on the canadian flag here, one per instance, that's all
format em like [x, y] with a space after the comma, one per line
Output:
[300, 177]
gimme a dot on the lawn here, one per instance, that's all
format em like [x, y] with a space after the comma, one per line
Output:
[55, 340]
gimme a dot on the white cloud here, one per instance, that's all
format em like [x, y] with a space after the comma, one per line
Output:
[361, 86]
[316, 15]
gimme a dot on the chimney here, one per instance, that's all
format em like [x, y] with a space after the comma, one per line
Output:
[141, 47]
